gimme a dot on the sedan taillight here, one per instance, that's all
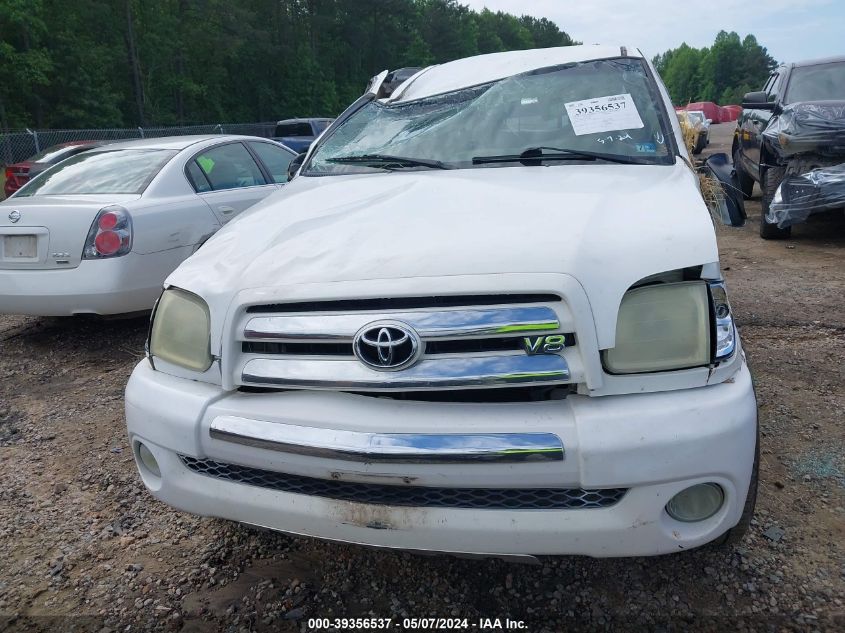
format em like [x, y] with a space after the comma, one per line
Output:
[110, 234]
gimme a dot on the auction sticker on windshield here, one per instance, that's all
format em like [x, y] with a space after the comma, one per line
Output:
[603, 114]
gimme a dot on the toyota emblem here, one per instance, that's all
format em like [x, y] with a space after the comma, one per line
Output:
[387, 345]
[15, 216]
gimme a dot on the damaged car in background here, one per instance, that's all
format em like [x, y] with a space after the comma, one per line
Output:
[791, 139]
[487, 317]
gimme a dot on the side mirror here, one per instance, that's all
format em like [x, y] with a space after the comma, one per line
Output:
[295, 164]
[757, 101]
[708, 121]
[721, 191]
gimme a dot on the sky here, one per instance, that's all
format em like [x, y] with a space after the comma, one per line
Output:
[792, 30]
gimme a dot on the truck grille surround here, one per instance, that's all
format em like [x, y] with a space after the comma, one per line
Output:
[413, 496]
[444, 343]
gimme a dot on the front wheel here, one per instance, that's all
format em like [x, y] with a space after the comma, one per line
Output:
[770, 179]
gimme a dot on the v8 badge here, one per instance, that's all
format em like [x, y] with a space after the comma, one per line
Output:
[551, 344]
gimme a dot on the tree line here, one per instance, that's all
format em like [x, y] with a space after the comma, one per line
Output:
[119, 63]
[721, 73]
[116, 63]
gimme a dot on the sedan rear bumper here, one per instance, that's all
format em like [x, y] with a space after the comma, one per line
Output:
[121, 285]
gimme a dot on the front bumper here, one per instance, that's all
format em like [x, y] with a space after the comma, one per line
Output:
[801, 195]
[655, 445]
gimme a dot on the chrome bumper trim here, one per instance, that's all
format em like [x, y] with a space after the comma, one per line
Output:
[436, 373]
[444, 323]
[418, 448]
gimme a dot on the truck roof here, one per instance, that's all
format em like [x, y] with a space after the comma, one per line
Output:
[821, 60]
[481, 69]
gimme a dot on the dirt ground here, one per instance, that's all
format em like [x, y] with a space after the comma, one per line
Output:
[84, 547]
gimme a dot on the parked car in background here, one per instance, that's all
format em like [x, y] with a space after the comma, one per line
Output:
[711, 110]
[99, 232]
[487, 316]
[18, 174]
[701, 125]
[298, 134]
[790, 138]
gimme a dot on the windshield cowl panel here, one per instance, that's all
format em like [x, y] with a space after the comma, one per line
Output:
[603, 108]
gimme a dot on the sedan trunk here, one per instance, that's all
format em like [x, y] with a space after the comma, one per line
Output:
[46, 232]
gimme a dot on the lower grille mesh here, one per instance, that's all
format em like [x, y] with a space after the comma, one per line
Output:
[414, 496]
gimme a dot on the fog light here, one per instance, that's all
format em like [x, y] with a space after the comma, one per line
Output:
[696, 503]
[148, 460]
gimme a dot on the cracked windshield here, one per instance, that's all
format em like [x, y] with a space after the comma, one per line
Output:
[594, 111]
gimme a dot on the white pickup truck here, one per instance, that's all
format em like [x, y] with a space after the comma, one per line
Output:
[486, 316]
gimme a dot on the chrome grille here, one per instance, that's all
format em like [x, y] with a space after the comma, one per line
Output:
[410, 496]
[463, 346]
[296, 349]
[429, 325]
[449, 372]
[455, 346]
[403, 303]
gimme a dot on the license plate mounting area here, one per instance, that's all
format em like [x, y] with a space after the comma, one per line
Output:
[17, 247]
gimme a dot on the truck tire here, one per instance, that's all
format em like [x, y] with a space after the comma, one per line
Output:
[746, 182]
[770, 179]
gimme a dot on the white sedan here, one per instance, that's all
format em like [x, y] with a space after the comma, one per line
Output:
[99, 232]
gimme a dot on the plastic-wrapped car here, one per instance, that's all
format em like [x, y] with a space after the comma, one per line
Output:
[791, 138]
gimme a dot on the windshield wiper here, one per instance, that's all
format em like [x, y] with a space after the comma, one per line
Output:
[536, 156]
[386, 161]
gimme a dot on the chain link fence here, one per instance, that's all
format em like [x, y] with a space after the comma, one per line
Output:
[18, 145]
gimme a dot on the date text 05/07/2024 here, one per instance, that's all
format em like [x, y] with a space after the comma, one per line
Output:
[480, 624]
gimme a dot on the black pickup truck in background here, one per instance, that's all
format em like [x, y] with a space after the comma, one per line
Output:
[790, 138]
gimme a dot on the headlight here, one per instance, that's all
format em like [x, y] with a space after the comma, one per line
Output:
[725, 339]
[181, 330]
[661, 327]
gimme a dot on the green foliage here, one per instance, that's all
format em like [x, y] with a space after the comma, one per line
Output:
[25, 61]
[102, 63]
[722, 73]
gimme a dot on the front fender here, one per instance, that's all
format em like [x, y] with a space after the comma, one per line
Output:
[769, 157]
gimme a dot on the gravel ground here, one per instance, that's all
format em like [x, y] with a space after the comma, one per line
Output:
[84, 547]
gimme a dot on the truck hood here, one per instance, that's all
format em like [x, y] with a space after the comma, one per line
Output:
[606, 225]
